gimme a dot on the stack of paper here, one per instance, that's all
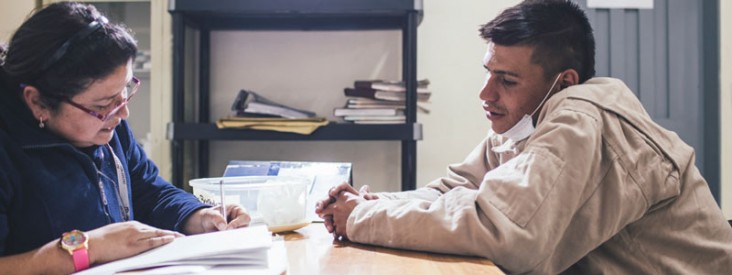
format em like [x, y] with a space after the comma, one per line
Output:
[303, 126]
[244, 247]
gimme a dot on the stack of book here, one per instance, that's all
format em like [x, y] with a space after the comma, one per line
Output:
[380, 101]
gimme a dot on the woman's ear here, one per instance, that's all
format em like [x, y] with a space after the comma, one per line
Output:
[32, 98]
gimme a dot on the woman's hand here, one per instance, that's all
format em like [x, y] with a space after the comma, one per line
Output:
[210, 219]
[121, 240]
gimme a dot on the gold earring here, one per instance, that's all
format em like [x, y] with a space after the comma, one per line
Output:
[40, 123]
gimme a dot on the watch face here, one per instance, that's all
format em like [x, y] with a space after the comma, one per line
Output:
[74, 238]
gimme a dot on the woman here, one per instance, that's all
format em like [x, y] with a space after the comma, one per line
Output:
[69, 164]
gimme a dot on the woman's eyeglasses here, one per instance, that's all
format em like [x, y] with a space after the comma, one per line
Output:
[130, 89]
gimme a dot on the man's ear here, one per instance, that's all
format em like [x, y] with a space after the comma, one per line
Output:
[32, 98]
[569, 77]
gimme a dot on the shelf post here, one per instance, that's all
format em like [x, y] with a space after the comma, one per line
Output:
[409, 76]
[204, 95]
[178, 96]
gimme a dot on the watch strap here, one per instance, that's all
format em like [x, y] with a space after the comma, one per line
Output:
[81, 259]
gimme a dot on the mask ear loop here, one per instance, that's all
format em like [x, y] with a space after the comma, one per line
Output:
[547, 95]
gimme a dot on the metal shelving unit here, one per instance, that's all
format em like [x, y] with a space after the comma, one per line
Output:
[206, 16]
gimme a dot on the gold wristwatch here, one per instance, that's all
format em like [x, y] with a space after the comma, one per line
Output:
[76, 243]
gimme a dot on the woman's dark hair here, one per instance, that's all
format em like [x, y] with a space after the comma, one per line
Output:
[557, 29]
[64, 47]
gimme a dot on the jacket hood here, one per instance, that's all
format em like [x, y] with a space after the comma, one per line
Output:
[612, 95]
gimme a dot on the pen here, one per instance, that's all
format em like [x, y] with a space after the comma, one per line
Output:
[223, 203]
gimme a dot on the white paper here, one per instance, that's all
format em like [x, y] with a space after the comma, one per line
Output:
[620, 4]
[244, 247]
[277, 264]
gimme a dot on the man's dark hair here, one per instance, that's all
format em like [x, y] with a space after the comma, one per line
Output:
[557, 29]
[60, 50]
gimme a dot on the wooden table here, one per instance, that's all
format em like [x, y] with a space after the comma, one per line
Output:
[312, 250]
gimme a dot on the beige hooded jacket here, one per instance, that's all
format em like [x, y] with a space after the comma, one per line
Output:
[597, 188]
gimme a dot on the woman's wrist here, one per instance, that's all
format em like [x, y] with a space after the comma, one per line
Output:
[192, 224]
[50, 258]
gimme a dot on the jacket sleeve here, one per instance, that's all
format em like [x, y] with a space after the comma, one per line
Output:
[513, 216]
[467, 174]
[154, 200]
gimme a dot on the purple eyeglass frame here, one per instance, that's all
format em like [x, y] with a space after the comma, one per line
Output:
[114, 111]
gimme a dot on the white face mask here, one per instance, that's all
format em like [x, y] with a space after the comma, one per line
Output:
[525, 127]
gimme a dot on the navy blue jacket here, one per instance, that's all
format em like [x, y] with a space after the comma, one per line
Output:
[48, 186]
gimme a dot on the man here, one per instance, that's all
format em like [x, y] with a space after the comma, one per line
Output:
[575, 177]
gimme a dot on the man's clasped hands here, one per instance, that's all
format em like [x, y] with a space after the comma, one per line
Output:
[335, 209]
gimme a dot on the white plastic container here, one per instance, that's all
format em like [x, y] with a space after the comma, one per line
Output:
[278, 201]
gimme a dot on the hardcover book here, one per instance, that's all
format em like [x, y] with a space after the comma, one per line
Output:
[388, 85]
[368, 112]
[400, 96]
[374, 119]
[248, 103]
[422, 95]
